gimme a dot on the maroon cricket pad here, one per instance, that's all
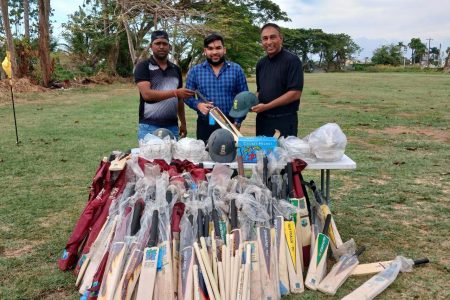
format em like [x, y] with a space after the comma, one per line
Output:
[116, 191]
[99, 180]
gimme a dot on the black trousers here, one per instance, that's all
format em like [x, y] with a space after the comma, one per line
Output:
[286, 124]
[204, 130]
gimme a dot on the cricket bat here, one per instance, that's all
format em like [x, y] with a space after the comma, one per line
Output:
[149, 263]
[305, 230]
[118, 164]
[98, 250]
[201, 263]
[133, 259]
[164, 288]
[301, 218]
[185, 286]
[255, 277]
[317, 266]
[334, 235]
[282, 259]
[234, 250]
[223, 122]
[118, 255]
[186, 276]
[376, 267]
[339, 273]
[196, 282]
[293, 259]
[379, 282]
[269, 289]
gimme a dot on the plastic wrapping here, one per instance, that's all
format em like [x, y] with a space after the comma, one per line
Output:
[152, 147]
[278, 159]
[187, 235]
[348, 248]
[251, 208]
[406, 264]
[296, 147]
[220, 177]
[285, 209]
[328, 142]
[190, 149]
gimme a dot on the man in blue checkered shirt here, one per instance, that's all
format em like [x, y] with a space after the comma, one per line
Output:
[219, 81]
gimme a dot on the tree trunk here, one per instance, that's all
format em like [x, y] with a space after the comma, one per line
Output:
[26, 18]
[105, 17]
[9, 37]
[44, 51]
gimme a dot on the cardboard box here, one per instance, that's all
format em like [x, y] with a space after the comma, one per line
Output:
[249, 146]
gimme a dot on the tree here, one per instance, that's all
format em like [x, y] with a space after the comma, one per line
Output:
[387, 55]
[434, 55]
[335, 49]
[418, 49]
[301, 42]
[9, 36]
[447, 60]
[44, 41]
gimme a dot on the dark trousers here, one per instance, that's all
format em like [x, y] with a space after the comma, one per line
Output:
[286, 124]
[204, 130]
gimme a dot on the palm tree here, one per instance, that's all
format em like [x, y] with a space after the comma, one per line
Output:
[418, 49]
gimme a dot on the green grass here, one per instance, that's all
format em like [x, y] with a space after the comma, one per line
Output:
[395, 202]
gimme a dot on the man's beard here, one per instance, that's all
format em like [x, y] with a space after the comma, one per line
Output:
[216, 63]
[160, 56]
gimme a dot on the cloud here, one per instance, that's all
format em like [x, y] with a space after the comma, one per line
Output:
[402, 19]
[373, 22]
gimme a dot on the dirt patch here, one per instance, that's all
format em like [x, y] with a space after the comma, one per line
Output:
[435, 133]
[398, 206]
[25, 249]
[59, 293]
[26, 86]
[383, 180]
[51, 220]
[364, 144]
[20, 85]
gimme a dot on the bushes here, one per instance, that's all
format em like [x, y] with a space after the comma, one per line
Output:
[372, 68]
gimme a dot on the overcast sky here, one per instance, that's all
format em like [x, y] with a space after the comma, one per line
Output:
[370, 23]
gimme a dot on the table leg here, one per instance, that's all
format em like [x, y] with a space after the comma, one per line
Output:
[327, 181]
[322, 182]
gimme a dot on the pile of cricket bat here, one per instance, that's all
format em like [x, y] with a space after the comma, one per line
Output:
[171, 237]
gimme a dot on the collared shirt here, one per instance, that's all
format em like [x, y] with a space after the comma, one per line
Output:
[162, 113]
[220, 89]
[277, 75]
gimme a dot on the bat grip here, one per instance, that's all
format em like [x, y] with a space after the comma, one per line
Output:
[360, 250]
[421, 261]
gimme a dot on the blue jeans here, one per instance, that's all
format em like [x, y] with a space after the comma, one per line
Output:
[143, 129]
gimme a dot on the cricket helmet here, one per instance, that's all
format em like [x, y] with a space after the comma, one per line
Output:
[221, 146]
[163, 132]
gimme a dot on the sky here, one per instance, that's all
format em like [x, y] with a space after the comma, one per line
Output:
[370, 23]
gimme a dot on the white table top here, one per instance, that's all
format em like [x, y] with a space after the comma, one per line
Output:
[346, 163]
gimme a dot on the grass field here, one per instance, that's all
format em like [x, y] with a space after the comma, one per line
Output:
[397, 201]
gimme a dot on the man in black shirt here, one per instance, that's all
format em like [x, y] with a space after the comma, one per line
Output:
[161, 93]
[279, 83]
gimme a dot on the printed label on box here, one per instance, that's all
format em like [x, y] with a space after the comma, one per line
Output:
[249, 146]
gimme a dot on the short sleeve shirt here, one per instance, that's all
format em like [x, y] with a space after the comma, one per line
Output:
[276, 76]
[164, 112]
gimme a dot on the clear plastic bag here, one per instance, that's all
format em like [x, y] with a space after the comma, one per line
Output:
[152, 147]
[328, 142]
[189, 149]
[296, 147]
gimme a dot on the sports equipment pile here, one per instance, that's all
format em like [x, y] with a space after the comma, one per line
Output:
[151, 230]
